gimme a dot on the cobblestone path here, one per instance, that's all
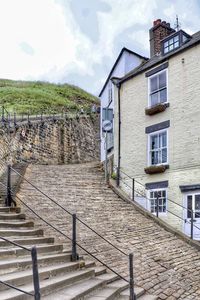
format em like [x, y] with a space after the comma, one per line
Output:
[163, 264]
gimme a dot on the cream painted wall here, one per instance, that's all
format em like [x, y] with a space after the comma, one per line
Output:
[184, 131]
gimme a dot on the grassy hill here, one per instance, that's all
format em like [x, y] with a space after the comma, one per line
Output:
[36, 97]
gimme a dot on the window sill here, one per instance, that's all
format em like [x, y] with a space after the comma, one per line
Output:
[156, 169]
[160, 107]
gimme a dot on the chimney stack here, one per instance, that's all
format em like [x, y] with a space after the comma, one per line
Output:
[159, 31]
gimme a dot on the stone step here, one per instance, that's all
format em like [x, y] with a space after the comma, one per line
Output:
[19, 263]
[28, 241]
[77, 291]
[4, 209]
[40, 249]
[16, 224]
[111, 291]
[25, 277]
[12, 216]
[17, 233]
[108, 277]
[48, 285]
[140, 294]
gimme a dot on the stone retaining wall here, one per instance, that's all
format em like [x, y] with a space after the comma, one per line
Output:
[71, 140]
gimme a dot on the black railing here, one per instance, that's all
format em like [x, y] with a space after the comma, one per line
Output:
[74, 233]
[135, 191]
[36, 282]
[12, 118]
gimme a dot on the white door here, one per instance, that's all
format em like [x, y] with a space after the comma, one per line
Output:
[192, 202]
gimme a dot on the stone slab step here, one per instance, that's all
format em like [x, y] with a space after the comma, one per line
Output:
[12, 216]
[16, 224]
[17, 233]
[111, 291]
[28, 241]
[77, 291]
[48, 285]
[19, 263]
[125, 295]
[16, 251]
[4, 209]
[25, 277]
[108, 277]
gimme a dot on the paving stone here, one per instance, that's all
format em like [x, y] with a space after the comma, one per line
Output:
[169, 267]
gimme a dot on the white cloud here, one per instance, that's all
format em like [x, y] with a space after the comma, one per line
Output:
[40, 39]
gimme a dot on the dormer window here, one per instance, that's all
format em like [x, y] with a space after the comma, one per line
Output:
[174, 41]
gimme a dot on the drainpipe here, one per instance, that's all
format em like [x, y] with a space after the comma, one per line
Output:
[118, 85]
[119, 135]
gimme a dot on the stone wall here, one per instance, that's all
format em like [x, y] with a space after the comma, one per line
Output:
[71, 140]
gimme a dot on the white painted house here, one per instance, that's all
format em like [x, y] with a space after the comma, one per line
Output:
[126, 61]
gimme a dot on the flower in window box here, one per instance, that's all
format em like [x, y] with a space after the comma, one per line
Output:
[156, 169]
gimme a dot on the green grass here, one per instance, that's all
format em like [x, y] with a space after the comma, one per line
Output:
[41, 97]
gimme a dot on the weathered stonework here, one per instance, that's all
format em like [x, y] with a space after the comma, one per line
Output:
[52, 142]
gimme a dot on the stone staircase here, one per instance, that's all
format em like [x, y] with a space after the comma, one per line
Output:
[164, 264]
[60, 278]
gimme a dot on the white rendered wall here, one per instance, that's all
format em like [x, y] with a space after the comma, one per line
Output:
[126, 63]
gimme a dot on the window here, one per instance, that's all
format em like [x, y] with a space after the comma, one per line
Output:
[174, 41]
[107, 114]
[158, 153]
[160, 196]
[172, 44]
[158, 88]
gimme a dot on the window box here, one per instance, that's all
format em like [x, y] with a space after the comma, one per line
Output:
[156, 109]
[156, 169]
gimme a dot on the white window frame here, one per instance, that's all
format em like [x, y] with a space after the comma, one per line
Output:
[149, 80]
[172, 43]
[149, 203]
[149, 147]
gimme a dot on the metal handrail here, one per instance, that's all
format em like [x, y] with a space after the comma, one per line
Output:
[67, 211]
[33, 251]
[58, 230]
[186, 221]
[145, 189]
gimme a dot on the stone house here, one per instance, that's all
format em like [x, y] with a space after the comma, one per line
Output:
[157, 128]
[125, 62]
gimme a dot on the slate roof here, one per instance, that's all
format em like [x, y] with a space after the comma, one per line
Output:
[195, 39]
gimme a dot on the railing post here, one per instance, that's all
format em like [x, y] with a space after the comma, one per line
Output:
[36, 281]
[192, 224]
[157, 206]
[131, 279]
[8, 191]
[118, 175]
[15, 121]
[3, 114]
[133, 189]
[74, 249]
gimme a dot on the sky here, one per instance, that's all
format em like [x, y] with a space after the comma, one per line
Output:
[78, 41]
